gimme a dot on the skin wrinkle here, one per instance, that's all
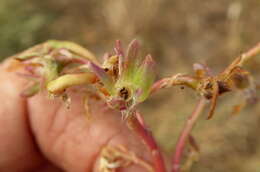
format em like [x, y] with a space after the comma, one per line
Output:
[70, 120]
[62, 139]
[47, 147]
[30, 131]
[56, 119]
[59, 133]
[53, 119]
[105, 143]
[34, 140]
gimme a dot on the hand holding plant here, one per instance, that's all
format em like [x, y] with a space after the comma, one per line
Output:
[122, 81]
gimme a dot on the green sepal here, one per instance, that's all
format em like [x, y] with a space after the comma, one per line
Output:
[144, 78]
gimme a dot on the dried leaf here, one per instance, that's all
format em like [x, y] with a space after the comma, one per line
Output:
[215, 92]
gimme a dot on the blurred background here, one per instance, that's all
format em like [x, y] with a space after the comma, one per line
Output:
[177, 33]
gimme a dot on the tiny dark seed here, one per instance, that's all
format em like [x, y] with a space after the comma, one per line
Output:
[115, 71]
[124, 93]
[208, 86]
[223, 87]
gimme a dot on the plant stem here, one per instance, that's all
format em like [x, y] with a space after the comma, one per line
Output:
[136, 123]
[179, 79]
[243, 58]
[249, 54]
[186, 133]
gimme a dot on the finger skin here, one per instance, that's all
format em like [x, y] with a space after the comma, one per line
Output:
[42, 126]
[17, 148]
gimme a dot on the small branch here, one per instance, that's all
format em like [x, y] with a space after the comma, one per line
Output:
[249, 54]
[243, 58]
[178, 79]
[186, 133]
[136, 123]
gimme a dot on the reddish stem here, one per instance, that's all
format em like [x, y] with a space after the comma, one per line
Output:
[178, 79]
[136, 123]
[186, 133]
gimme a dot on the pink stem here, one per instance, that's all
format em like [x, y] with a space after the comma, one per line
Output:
[136, 123]
[184, 80]
[186, 133]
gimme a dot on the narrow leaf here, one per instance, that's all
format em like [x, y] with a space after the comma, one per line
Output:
[75, 48]
[131, 61]
[103, 76]
[58, 85]
[145, 76]
[120, 53]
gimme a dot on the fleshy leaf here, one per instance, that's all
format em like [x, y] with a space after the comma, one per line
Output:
[60, 84]
[75, 48]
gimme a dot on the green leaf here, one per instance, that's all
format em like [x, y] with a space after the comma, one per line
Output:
[50, 69]
[144, 77]
[75, 48]
[132, 61]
